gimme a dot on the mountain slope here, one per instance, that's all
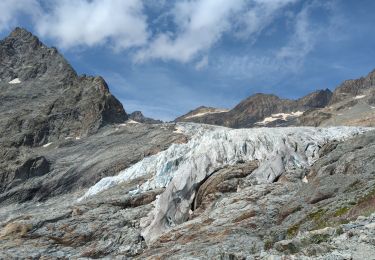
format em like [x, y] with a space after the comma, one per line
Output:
[56, 126]
[352, 103]
[43, 99]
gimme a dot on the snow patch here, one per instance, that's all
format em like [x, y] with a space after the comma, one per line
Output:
[15, 81]
[46, 145]
[278, 116]
[129, 121]
[359, 96]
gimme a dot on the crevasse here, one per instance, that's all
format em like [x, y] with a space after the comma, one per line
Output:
[212, 147]
[182, 166]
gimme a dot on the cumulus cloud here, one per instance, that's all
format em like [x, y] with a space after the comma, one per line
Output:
[122, 24]
[10, 10]
[183, 31]
[200, 24]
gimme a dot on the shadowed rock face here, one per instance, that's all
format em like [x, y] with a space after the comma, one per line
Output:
[43, 99]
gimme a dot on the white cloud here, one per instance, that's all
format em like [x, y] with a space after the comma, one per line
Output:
[199, 24]
[120, 23]
[202, 63]
[10, 11]
[259, 15]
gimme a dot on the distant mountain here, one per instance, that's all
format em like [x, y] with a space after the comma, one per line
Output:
[199, 112]
[352, 103]
[255, 110]
[139, 117]
[43, 98]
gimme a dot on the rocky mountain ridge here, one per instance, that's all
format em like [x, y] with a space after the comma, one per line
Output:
[43, 98]
[259, 106]
[139, 117]
[77, 181]
[318, 108]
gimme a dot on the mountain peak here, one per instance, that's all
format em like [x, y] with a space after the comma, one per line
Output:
[21, 37]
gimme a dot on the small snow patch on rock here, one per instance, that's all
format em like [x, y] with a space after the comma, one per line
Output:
[15, 81]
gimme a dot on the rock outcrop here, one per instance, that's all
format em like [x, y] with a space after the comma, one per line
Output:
[139, 117]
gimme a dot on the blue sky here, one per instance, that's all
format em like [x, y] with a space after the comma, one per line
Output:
[168, 57]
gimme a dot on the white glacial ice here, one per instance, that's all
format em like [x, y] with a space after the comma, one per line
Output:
[182, 166]
[212, 147]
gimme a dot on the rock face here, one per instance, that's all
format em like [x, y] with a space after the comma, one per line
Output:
[43, 99]
[259, 106]
[139, 117]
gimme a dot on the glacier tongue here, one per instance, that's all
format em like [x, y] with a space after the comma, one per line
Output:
[182, 166]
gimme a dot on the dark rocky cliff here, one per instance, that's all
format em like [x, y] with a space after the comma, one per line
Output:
[43, 98]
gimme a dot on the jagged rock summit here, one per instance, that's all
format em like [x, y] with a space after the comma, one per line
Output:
[139, 117]
[255, 109]
[351, 103]
[43, 98]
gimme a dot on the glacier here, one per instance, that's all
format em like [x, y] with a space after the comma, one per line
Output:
[182, 166]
